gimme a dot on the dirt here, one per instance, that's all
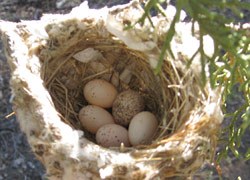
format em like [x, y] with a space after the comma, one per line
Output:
[16, 159]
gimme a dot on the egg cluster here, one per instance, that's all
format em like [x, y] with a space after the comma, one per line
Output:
[128, 123]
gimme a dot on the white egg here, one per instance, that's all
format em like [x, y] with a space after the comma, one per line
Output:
[100, 93]
[93, 117]
[112, 135]
[142, 128]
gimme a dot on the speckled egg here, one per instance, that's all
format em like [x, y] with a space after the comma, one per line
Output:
[100, 92]
[142, 128]
[126, 105]
[112, 135]
[93, 117]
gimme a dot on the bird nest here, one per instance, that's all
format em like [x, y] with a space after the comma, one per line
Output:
[52, 59]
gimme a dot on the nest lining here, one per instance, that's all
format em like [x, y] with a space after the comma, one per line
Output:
[65, 77]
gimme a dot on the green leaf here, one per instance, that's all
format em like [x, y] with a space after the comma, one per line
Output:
[169, 36]
[231, 50]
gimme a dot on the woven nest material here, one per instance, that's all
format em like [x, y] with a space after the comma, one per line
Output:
[47, 85]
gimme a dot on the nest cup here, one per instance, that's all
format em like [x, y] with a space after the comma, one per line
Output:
[64, 76]
[48, 80]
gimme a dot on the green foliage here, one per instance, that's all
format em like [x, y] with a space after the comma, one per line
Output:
[230, 64]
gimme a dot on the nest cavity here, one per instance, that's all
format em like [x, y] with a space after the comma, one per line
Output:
[110, 59]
